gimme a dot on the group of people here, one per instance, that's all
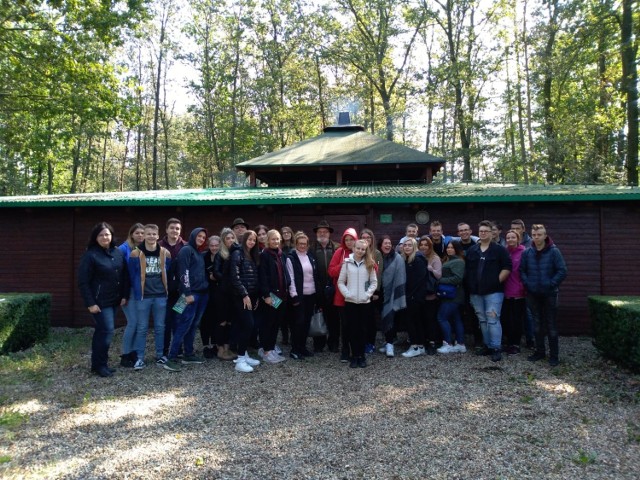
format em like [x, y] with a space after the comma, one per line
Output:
[240, 288]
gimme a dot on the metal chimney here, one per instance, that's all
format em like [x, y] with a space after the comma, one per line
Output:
[344, 118]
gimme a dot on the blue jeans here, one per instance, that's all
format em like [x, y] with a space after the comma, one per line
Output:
[128, 338]
[102, 336]
[186, 325]
[144, 308]
[451, 311]
[488, 308]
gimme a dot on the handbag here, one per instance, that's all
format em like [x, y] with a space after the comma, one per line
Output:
[432, 283]
[446, 291]
[318, 326]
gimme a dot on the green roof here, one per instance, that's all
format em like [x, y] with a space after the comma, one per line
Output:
[351, 194]
[339, 146]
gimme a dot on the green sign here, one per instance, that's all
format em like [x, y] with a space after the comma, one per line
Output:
[386, 218]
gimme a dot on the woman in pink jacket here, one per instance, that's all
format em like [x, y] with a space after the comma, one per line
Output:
[514, 307]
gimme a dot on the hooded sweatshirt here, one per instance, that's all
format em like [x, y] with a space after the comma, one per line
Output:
[191, 269]
[342, 253]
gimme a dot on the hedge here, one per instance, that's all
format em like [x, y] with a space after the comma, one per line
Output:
[616, 328]
[24, 320]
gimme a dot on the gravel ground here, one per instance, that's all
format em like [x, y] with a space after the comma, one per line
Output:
[456, 416]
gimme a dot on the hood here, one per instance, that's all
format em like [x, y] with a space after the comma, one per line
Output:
[348, 231]
[548, 243]
[192, 239]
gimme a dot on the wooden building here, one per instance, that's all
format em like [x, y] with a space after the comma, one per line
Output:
[596, 227]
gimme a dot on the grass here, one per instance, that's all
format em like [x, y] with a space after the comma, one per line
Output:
[585, 458]
[10, 420]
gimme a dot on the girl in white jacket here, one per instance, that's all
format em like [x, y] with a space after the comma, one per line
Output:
[357, 282]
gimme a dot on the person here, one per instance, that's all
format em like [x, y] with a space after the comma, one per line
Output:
[261, 232]
[194, 289]
[416, 290]
[439, 240]
[368, 236]
[243, 277]
[104, 285]
[514, 306]
[173, 242]
[349, 238]
[323, 249]
[519, 226]
[223, 296]
[496, 234]
[273, 284]
[394, 277]
[357, 282]
[467, 240]
[288, 245]
[303, 272]
[239, 227]
[128, 358]
[411, 231]
[213, 326]
[487, 267]
[432, 303]
[542, 270]
[148, 270]
[449, 312]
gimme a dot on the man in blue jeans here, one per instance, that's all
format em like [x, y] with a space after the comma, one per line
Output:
[194, 289]
[487, 267]
[542, 270]
[148, 267]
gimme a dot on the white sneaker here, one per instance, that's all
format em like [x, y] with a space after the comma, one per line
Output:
[272, 357]
[278, 350]
[459, 348]
[139, 365]
[446, 348]
[243, 366]
[261, 352]
[422, 350]
[250, 361]
[388, 350]
[413, 351]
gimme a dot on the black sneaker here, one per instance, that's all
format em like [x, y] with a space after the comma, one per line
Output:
[483, 352]
[535, 357]
[496, 355]
[362, 362]
[296, 356]
[354, 363]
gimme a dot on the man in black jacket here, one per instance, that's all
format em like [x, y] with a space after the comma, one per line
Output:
[487, 267]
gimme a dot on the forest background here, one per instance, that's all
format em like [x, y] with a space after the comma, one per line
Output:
[116, 95]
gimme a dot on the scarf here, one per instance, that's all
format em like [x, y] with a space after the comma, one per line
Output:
[394, 278]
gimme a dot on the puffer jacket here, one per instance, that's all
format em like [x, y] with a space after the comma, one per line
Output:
[191, 271]
[416, 286]
[102, 277]
[335, 266]
[355, 283]
[542, 271]
[243, 273]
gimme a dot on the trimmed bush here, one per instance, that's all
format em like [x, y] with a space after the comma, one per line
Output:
[24, 320]
[616, 328]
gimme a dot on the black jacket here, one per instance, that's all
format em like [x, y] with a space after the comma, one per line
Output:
[416, 285]
[298, 274]
[483, 268]
[243, 273]
[273, 276]
[102, 277]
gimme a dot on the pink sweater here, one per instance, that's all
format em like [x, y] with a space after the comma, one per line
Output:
[513, 287]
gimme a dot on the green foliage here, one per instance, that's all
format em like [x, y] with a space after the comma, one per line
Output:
[24, 320]
[585, 458]
[616, 328]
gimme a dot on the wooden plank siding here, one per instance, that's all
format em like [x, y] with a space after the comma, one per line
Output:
[43, 246]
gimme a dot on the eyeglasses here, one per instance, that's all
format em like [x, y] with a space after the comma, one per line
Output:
[484, 231]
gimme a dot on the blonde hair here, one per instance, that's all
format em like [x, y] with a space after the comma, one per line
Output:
[412, 256]
[369, 262]
[224, 251]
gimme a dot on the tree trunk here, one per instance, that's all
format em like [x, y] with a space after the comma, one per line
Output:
[630, 87]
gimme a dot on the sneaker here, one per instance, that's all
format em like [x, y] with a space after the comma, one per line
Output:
[431, 349]
[535, 357]
[388, 350]
[243, 366]
[172, 366]
[252, 362]
[554, 362]
[496, 355]
[369, 348]
[161, 361]
[278, 350]
[383, 349]
[446, 348]
[413, 352]
[296, 356]
[513, 350]
[344, 358]
[362, 362]
[459, 348]
[354, 363]
[139, 365]
[483, 352]
[261, 352]
[272, 357]
[187, 359]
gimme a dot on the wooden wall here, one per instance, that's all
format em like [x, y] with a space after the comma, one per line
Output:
[42, 246]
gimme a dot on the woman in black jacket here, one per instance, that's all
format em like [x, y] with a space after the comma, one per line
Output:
[243, 278]
[273, 283]
[223, 298]
[416, 291]
[104, 286]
